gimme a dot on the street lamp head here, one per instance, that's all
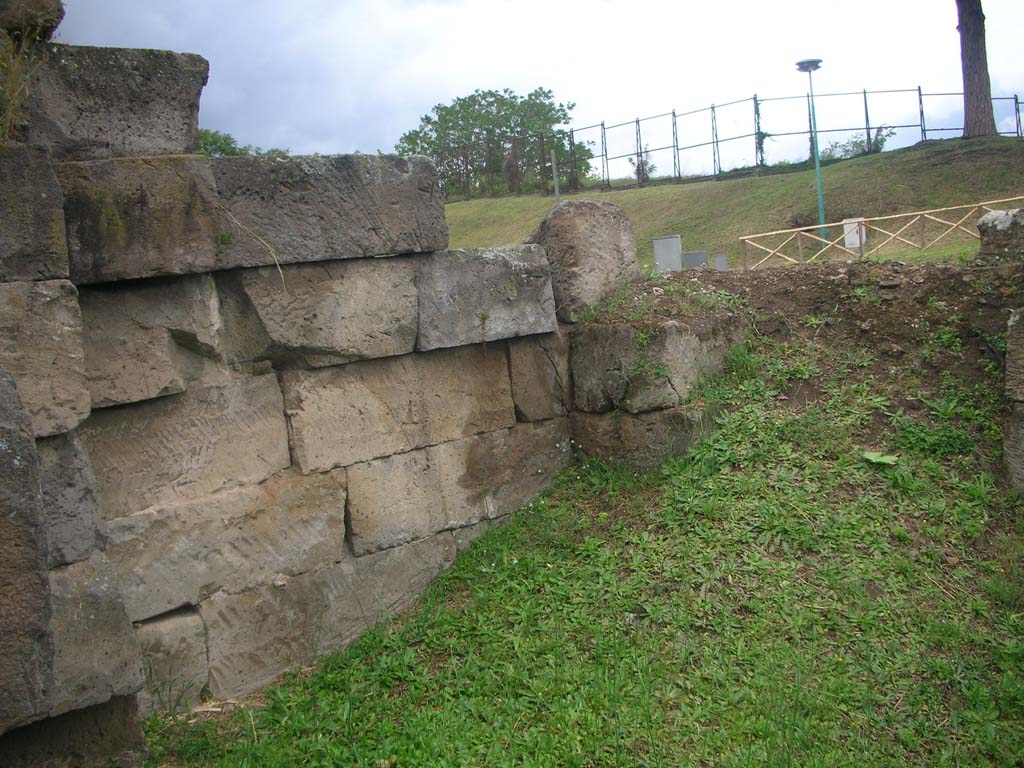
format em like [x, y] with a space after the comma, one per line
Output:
[808, 65]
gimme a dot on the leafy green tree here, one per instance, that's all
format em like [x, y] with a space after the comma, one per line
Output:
[491, 142]
[218, 144]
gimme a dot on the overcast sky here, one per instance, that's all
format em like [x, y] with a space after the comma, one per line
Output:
[347, 75]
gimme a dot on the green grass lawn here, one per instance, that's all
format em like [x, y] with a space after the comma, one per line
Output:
[832, 578]
[713, 215]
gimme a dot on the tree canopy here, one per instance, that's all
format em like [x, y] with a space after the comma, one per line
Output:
[496, 141]
[218, 144]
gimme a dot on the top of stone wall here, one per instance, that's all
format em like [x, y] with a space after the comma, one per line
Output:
[88, 103]
[31, 17]
[1002, 233]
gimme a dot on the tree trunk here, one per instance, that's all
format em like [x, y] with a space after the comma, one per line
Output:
[978, 117]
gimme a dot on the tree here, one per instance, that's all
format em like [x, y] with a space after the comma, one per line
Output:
[978, 117]
[642, 166]
[218, 144]
[497, 141]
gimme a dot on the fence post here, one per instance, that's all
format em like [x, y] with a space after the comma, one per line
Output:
[758, 138]
[543, 163]
[604, 156]
[1016, 110]
[810, 128]
[716, 160]
[920, 106]
[514, 181]
[641, 171]
[867, 124]
[574, 181]
[677, 171]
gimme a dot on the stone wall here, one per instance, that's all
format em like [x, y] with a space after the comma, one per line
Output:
[1013, 439]
[251, 406]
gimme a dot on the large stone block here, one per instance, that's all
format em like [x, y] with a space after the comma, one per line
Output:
[539, 366]
[254, 636]
[108, 735]
[175, 555]
[35, 18]
[96, 655]
[142, 217]
[641, 440]
[149, 338]
[592, 252]
[1015, 356]
[413, 495]
[187, 446]
[1013, 446]
[322, 314]
[70, 505]
[643, 369]
[330, 207]
[174, 660]
[41, 347]
[87, 103]
[26, 656]
[33, 245]
[145, 217]
[1002, 234]
[468, 297]
[361, 411]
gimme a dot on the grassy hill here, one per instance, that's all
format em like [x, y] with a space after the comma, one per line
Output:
[712, 215]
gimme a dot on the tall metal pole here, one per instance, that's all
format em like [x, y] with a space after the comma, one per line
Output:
[817, 159]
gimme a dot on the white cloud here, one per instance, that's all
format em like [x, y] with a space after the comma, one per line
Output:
[314, 75]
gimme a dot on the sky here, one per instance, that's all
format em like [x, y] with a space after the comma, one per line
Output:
[353, 75]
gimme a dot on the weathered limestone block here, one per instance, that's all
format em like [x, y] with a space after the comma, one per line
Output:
[69, 498]
[95, 652]
[33, 245]
[187, 446]
[467, 297]
[37, 18]
[539, 366]
[108, 735]
[87, 103]
[1015, 356]
[642, 440]
[150, 338]
[26, 655]
[361, 411]
[1013, 446]
[331, 207]
[142, 217]
[413, 495]
[174, 660]
[1002, 234]
[254, 636]
[174, 555]
[644, 369]
[321, 314]
[592, 252]
[41, 347]
[151, 216]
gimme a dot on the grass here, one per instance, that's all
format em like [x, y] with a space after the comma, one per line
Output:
[832, 580]
[712, 215]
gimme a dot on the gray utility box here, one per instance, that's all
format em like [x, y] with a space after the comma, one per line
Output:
[668, 254]
[695, 260]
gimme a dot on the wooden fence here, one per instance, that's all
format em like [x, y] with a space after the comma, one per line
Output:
[879, 235]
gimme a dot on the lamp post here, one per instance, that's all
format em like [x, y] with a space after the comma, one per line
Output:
[808, 66]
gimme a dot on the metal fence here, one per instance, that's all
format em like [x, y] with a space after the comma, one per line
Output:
[745, 136]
